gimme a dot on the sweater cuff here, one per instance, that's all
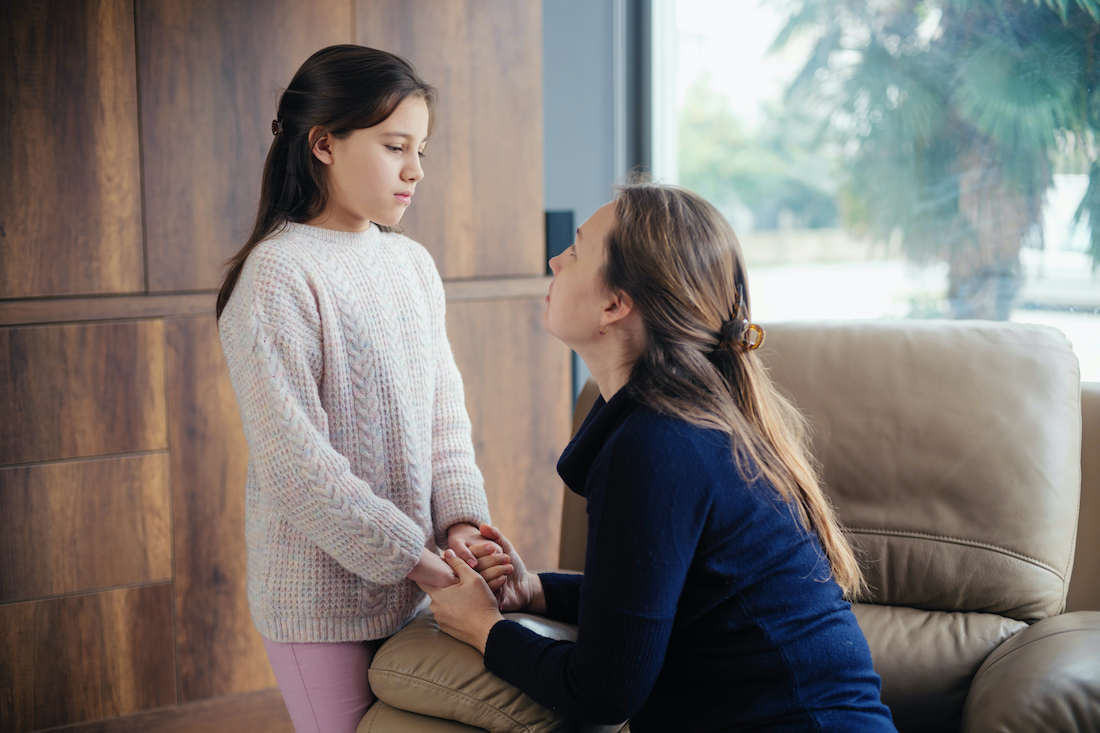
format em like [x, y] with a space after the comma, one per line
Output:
[562, 592]
[510, 647]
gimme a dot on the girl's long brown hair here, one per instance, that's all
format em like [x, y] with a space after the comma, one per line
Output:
[678, 259]
[339, 89]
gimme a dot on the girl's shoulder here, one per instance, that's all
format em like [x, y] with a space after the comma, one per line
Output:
[405, 246]
[411, 251]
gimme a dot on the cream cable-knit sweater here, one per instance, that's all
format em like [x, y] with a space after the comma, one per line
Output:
[359, 442]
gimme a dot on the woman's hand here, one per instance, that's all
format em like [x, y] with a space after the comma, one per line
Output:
[460, 538]
[432, 570]
[520, 590]
[468, 610]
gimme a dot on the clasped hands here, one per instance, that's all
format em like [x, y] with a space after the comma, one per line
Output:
[487, 577]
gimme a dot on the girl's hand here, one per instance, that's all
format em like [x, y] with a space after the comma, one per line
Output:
[468, 610]
[519, 589]
[459, 538]
[432, 570]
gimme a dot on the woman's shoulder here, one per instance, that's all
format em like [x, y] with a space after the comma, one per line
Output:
[652, 434]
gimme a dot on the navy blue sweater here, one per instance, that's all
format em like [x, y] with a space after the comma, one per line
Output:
[704, 606]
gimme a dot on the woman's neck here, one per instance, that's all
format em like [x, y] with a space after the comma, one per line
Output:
[610, 363]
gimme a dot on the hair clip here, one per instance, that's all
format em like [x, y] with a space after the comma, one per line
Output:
[754, 343]
[276, 127]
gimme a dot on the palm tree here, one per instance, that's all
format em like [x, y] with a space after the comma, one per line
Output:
[950, 115]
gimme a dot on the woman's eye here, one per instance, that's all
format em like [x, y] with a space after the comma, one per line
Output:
[394, 148]
[420, 153]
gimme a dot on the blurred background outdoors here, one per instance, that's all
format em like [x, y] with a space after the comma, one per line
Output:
[908, 159]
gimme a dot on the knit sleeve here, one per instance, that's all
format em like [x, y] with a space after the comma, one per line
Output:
[642, 546]
[289, 451]
[458, 489]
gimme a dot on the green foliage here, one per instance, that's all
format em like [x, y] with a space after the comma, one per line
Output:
[777, 168]
[951, 115]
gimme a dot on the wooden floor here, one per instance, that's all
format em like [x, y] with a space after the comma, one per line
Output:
[263, 712]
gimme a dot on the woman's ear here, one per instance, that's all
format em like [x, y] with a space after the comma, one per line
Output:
[617, 307]
[321, 144]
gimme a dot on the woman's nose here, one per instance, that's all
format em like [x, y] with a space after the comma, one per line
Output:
[555, 264]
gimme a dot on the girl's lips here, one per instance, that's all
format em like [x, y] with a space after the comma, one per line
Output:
[404, 197]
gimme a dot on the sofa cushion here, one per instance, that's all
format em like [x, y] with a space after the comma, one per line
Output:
[927, 659]
[423, 670]
[952, 452]
[381, 718]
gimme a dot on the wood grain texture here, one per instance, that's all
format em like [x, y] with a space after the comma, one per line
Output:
[263, 712]
[84, 657]
[479, 210]
[69, 162]
[220, 651]
[210, 74]
[518, 393]
[67, 310]
[82, 525]
[510, 287]
[81, 390]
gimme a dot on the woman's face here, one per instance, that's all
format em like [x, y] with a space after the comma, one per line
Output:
[374, 171]
[577, 298]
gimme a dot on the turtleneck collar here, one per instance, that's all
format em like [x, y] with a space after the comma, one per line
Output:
[602, 420]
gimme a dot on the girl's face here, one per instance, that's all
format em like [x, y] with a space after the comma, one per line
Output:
[373, 172]
[576, 304]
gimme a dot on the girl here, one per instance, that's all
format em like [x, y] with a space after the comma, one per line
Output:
[713, 592]
[360, 456]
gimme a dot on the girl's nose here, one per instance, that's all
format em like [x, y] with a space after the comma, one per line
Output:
[555, 264]
[414, 171]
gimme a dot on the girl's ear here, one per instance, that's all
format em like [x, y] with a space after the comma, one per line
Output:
[321, 144]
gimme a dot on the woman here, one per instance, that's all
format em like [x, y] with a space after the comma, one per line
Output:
[713, 592]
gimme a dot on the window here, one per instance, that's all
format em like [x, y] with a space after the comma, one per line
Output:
[880, 159]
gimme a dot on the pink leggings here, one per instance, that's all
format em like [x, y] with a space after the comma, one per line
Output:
[324, 686]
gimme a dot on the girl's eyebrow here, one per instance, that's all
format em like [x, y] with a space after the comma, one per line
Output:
[403, 135]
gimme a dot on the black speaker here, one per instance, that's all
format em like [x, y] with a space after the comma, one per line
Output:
[559, 234]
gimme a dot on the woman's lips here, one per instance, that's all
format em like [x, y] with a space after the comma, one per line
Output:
[404, 198]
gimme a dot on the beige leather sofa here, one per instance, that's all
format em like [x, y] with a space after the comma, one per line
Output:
[953, 451]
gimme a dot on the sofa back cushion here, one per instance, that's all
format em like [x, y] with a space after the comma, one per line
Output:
[952, 452]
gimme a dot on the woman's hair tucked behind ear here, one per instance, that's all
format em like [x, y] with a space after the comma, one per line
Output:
[678, 259]
[339, 89]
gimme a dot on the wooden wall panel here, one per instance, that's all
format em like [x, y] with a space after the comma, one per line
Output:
[518, 392]
[479, 210]
[210, 75]
[220, 651]
[81, 390]
[257, 712]
[69, 161]
[81, 525]
[84, 657]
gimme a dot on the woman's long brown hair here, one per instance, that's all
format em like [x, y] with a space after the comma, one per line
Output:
[677, 257]
[339, 89]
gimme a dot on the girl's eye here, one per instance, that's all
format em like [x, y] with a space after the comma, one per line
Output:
[420, 153]
[394, 148]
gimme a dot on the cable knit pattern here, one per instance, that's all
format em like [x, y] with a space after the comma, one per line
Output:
[359, 442]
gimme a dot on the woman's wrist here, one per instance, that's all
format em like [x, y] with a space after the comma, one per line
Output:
[537, 604]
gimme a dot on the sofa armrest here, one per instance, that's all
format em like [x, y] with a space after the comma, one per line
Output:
[1046, 678]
